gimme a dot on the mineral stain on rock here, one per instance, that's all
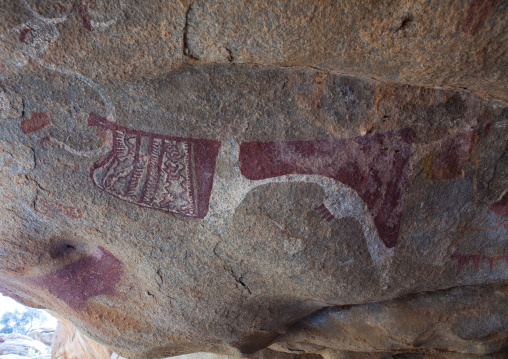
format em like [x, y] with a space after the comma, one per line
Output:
[76, 283]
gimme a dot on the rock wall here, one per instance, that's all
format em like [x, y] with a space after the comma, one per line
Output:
[70, 343]
[13, 346]
[228, 177]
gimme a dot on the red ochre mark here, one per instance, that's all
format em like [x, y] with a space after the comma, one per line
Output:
[324, 213]
[477, 14]
[76, 283]
[43, 141]
[462, 260]
[487, 129]
[37, 122]
[454, 152]
[23, 33]
[501, 207]
[490, 259]
[50, 208]
[83, 13]
[170, 174]
[59, 6]
[22, 180]
[376, 167]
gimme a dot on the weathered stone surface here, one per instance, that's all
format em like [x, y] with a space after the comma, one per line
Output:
[467, 322]
[43, 335]
[205, 177]
[70, 343]
[447, 43]
[17, 344]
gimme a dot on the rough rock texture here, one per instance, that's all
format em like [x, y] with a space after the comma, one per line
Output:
[225, 177]
[22, 345]
[70, 343]
[43, 335]
[459, 319]
[446, 43]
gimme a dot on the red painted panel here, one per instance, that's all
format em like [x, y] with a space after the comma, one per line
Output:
[376, 167]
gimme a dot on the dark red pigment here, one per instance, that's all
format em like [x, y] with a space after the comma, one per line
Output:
[90, 276]
[462, 260]
[324, 213]
[37, 122]
[50, 208]
[59, 6]
[477, 14]
[376, 167]
[142, 184]
[83, 13]
[455, 152]
[501, 207]
[24, 33]
[43, 141]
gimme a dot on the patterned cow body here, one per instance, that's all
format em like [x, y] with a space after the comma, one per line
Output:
[166, 173]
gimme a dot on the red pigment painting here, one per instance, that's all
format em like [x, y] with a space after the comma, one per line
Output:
[455, 151]
[83, 13]
[170, 174]
[501, 207]
[477, 14]
[462, 260]
[37, 122]
[50, 208]
[324, 213]
[376, 167]
[24, 33]
[76, 283]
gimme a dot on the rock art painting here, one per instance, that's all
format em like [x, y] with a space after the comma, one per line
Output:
[364, 177]
[76, 283]
[37, 122]
[51, 208]
[375, 167]
[449, 161]
[477, 13]
[501, 207]
[476, 259]
[170, 174]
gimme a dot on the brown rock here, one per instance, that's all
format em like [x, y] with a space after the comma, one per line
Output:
[43, 335]
[70, 343]
[21, 345]
[204, 177]
[466, 323]
[449, 43]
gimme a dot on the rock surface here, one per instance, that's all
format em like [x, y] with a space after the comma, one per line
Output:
[447, 43]
[70, 343]
[457, 320]
[228, 177]
[21, 345]
[43, 335]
